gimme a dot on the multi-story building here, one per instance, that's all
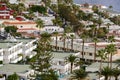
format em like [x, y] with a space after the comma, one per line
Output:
[59, 63]
[1, 57]
[5, 12]
[16, 50]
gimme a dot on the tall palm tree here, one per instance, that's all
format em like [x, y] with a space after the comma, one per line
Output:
[64, 36]
[72, 37]
[110, 51]
[116, 73]
[79, 74]
[83, 36]
[102, 55]
[108, 25]
[99, 22]
[106, 72]
[56, 39]
[95, 47]
[71, 59]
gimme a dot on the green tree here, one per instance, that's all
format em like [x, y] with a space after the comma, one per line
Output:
[40, 9]
[95, 8]
[108, 25]
[40, 24]
[41, 63]
[106, 72]
[95, 47]
[83, 36]
[13, 77]
[101, 53]
[56, 39]
[64, 37]
[79, 74]
[116, 73]
[111, 49]
[12, 30]
[72, 38]
[71, 59]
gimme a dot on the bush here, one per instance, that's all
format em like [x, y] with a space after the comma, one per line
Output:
[1, 62]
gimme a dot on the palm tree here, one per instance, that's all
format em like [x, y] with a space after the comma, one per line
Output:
[110, 51]
[93, 29]
[71, 59]
[56, 40]
[40, 24]
[118, 63]
[102, 55]
[13, 77]
[79, 74]
[116, 73]
[64, 36]
[83, 36]
[95, 48]
[108, 25]
[72, 37]
[99, 22]
[106, 72]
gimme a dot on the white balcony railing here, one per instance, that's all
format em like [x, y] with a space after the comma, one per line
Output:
[15, 60]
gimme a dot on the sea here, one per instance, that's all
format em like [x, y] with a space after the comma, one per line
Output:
[114, 3]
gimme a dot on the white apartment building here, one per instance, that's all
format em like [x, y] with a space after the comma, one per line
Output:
[1, 57]
[11, 51]
[59, 64]
[28, 47]
[16, 50]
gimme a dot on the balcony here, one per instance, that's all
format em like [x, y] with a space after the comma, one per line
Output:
[30, 49]
[15, 60]
[1, 58]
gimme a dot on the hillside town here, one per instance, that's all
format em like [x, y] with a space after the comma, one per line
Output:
[58, 40]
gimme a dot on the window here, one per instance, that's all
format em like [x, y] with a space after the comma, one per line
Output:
[21, 26]
[90, 54]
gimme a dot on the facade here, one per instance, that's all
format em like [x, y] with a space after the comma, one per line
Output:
[89, 49]
[5, 13]
[59, 64]
[1, 57]
[47, 20]
[17, 50]
[21, 24]
[51, 29]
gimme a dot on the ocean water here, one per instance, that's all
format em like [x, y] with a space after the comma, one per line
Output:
[114, 3]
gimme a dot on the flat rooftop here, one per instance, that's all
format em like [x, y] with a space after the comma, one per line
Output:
[11, 68]
[8, 43]
[60, 55]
